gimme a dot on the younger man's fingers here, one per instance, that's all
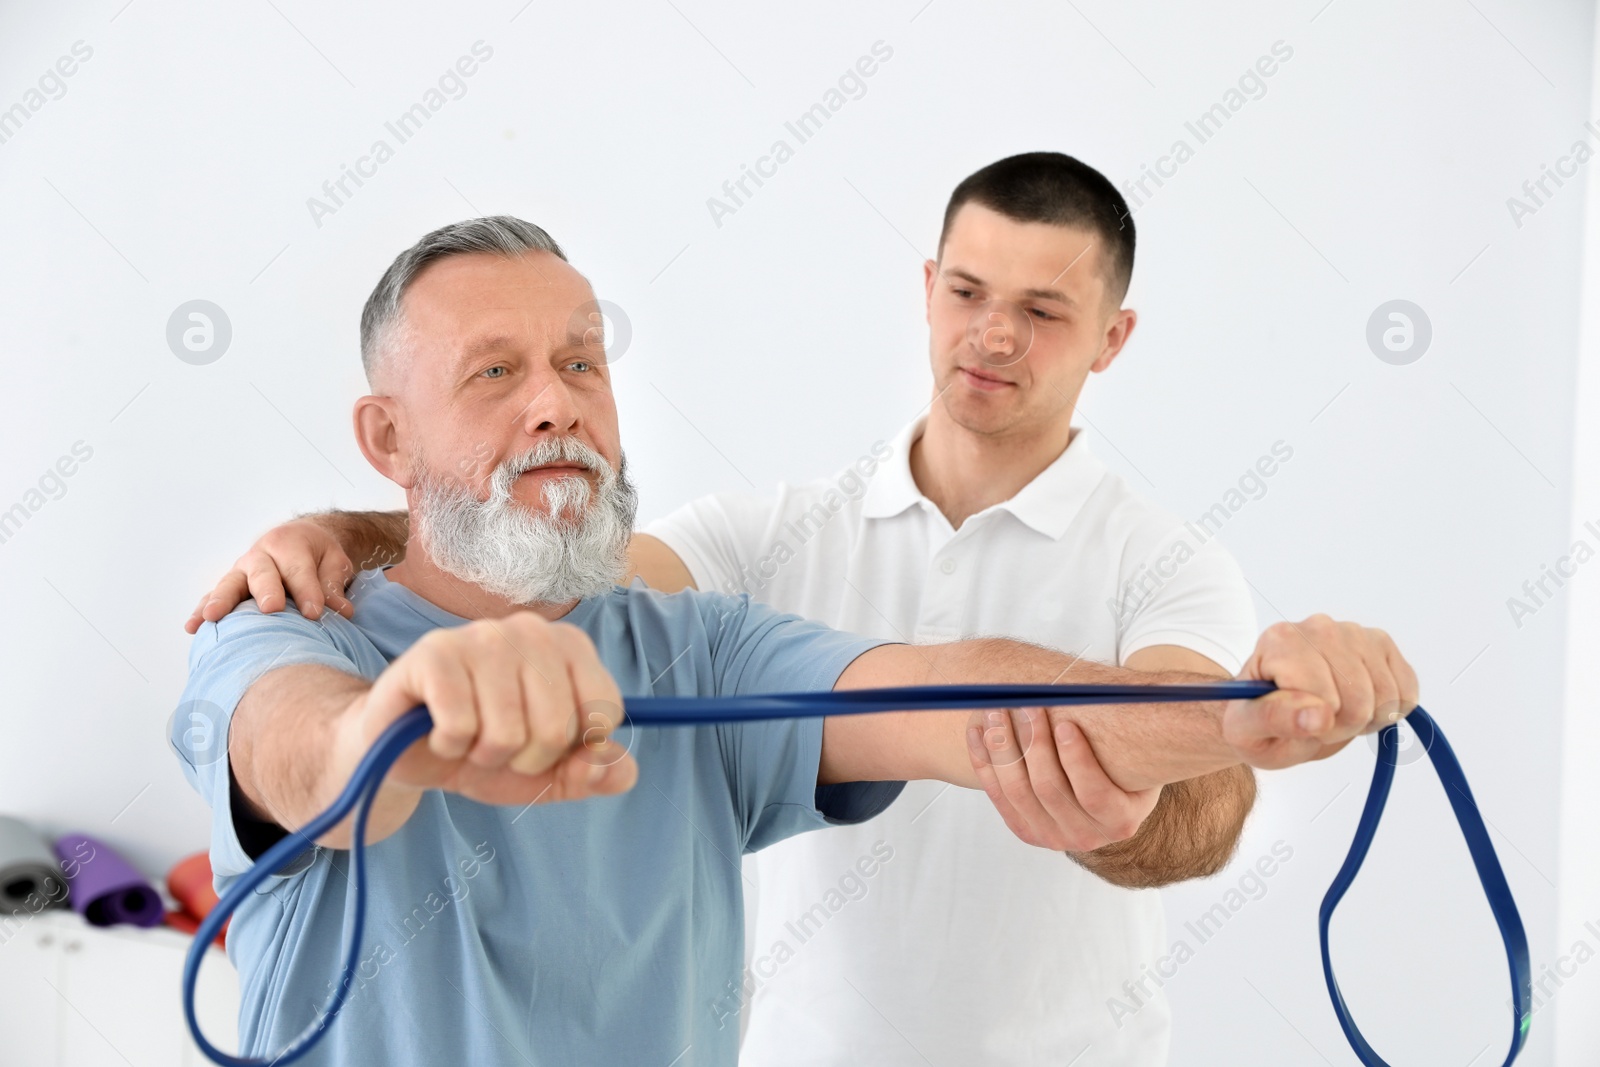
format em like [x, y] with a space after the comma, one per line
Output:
[197, 616]
[1047, 762]
[333, 574]
[990, 784]
[1093, 793]
[229, 593]
[303, 586]
[265, 584]
[1017, 773]
[1000, 738]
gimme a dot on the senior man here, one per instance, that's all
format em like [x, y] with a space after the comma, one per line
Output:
[611, 928]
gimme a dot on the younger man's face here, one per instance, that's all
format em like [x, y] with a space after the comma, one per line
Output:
[1019, 313]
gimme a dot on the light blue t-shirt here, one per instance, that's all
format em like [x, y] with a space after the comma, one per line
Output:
[603, 931]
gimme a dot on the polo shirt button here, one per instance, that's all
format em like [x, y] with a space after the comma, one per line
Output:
[948, 566]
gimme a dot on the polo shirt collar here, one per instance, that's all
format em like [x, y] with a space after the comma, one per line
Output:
[892, 488]
[1047, 504]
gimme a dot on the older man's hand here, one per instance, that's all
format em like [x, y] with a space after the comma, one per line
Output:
[523, 712]
[1335, 679]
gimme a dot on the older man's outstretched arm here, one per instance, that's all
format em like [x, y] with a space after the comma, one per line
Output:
[1335, 680]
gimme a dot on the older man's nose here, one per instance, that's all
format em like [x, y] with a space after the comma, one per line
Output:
[550, 410]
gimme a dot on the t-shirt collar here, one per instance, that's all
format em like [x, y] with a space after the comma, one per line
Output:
[373, 588]
[1047, 504]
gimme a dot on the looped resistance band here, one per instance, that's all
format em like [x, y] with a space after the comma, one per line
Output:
[365, 783]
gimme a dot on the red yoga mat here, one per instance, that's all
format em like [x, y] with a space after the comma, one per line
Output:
[189, 882]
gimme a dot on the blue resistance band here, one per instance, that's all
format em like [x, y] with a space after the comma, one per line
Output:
[365, 783]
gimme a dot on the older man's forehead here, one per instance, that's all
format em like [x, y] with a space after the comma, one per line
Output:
[535, 313]
[484, 283]
[529, 301]
[475, 305]
[510, 328]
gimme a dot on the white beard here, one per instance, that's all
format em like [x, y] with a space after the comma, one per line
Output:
[570, 551]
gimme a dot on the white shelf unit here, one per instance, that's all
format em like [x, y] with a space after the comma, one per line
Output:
[75, 995]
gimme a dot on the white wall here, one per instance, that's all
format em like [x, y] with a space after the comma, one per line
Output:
[782, 343]
[1578, 919]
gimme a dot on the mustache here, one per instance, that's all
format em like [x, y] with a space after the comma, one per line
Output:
[555, 450]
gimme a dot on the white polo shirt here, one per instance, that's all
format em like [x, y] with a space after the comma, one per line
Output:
[931, 934]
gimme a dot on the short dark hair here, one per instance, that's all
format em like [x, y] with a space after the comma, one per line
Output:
[1060, 190]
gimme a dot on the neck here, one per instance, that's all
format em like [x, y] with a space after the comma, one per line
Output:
[418, 573]
[963, 472]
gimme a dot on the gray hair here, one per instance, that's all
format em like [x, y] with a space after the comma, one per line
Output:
[500, 235]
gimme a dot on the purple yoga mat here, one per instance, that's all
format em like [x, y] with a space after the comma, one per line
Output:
[105, 888]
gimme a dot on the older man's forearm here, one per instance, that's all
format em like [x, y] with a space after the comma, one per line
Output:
[293, 743]
[1139, 745]
[1192, 833]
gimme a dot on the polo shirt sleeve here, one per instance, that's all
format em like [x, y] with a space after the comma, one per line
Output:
[719, 537]
[225, 659]
[1194, 597]
[773, 765]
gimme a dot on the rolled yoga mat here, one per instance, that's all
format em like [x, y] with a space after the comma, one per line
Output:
[30, 879]
[105, 888]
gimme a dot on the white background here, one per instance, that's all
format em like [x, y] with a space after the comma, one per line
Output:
[782, 343]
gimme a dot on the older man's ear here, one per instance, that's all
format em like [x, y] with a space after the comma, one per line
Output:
[377, 429]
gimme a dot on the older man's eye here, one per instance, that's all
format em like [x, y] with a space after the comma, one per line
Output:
[580, 366]
[496, 372]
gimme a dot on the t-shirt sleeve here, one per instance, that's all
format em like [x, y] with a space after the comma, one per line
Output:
[225, 659]
[774, 764]
[718, 537]
[1193, 597]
